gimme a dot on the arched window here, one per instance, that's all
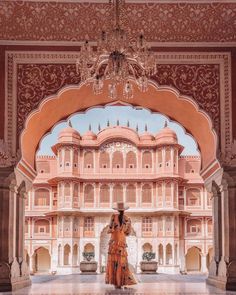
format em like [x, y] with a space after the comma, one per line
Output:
[159, 195]
[67, 254]
[60, 157]
[169, 226]
[209, 226]
[147, 225]
[76, 158]
[169, 258]
[88, 248]
[67, 226]
[42, 226]
[105, 194]
[89, 194]
[147, 160]
[104, 161]
[131, 193]
[67, 157]
[67, 191]
[168, 157]
[75, 255]
[117, 160]
[159, 157]
[147, 194]
[193, 259]
[131, 161]
[193, 197]
[168, 194]
[160, 225]
[160, 254]
[88, 160]
[42, 197]
[117, 193]
[147, 247]
[76, 195]
[76, 227]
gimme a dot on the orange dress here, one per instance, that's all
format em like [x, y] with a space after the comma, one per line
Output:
[117, 271]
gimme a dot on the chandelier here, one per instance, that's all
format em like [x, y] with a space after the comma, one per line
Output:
[117, 57]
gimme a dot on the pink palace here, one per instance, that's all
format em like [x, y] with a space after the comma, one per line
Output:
[70, 204]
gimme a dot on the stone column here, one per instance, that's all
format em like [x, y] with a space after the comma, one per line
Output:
[222, 271]
[204, 263]
[14, 272]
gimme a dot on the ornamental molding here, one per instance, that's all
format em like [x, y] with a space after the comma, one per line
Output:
[7, 159]
[72, 21]
[32, 76]
[120, 146]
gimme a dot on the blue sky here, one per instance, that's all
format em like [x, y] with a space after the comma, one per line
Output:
[97, 116]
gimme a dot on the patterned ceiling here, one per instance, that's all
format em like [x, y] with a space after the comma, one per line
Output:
[70, 21]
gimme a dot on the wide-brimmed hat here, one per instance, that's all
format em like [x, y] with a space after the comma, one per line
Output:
[120, 206]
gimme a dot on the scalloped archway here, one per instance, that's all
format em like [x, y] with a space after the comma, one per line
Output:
[78, 99]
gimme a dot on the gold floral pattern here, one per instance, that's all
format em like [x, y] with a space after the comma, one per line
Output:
[198, 81]
[161, 22]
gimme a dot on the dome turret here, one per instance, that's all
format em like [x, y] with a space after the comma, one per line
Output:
[69, 135]
[166, 136]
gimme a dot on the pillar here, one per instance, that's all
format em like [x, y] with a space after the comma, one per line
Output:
[204, 263]
[222, 271]
[14, 271]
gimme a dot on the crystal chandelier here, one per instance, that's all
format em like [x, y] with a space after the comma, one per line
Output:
[118, 58]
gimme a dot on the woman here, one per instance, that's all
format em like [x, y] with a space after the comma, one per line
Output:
[117, 271]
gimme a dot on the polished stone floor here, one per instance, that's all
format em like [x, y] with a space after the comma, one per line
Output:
[158, 284]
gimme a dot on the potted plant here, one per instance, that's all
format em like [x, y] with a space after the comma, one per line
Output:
[88, 265]
[148, 265]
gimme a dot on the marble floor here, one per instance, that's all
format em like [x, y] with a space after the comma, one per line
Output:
[159, 284]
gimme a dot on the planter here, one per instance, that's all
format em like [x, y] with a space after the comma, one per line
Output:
[88, 267]
[148, 266]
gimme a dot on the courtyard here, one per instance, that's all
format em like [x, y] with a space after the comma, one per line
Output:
[160, 284]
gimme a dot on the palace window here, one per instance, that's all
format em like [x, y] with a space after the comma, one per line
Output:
[89, 193]
[105, 194]
[42, 229]
[88, 160]
[193, 197]
[42, 197]
[117, 193]
[194, 226]
[130, 194]
[147, 224]
[146, 194]
[89, 224]
[147, 160]
[117, 160]
[104, 160]
[131, 161]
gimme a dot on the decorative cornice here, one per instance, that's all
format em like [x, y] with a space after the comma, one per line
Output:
[73, 21]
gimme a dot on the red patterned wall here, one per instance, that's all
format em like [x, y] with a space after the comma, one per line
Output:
[37, 81]
[162, 22]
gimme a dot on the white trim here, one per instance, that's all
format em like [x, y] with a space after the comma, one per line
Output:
[199, 44]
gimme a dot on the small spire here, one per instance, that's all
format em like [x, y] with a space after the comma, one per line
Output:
[146, 128]
[137, 128]
[70, 124]
[165, 124]
[118, 123]
[108, 123]
[90, 127]
[128, 123]
[99, 127]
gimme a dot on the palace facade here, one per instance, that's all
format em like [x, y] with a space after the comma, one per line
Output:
[69, 207]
